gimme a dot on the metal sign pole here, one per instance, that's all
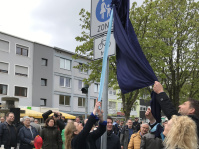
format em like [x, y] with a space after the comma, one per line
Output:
[105, 105]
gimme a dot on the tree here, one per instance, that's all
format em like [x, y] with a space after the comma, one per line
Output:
[168, 33]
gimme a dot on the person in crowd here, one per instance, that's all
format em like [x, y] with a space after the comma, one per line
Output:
[2, 120]
[63, 136]
[180, 132]
[117, 126]
[120, 128]
[164, 123]
[136, 124]
[79, 137]
[8, 132]
[135, 140]
[57, 117]
[189, 108]
[126, 133]
[51, 135]
[27, 134]
[77, 120]
[37, 126]
[36, 121]
[113, 141]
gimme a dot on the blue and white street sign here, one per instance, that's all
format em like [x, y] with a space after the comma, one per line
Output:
[100, 14]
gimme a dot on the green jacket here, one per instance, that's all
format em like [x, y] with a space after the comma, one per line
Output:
[63, 139]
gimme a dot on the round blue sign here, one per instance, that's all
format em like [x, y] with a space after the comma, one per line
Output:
[103, 10]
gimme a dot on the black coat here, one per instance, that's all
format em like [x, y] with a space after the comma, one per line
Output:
[27, 135]
[51, 138]
[113, 141]
[169, 109]
[85, 139]
[5, 135]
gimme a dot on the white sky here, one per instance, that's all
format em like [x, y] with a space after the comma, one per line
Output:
[50, 22]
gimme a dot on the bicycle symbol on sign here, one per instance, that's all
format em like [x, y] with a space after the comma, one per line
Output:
[102, 44]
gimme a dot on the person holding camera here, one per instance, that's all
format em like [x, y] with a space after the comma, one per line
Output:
[57, 117]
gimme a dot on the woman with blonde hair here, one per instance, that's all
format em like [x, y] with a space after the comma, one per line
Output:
[79, 137]
[180, 132]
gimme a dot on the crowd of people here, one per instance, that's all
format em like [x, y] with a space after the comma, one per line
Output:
[180, 131]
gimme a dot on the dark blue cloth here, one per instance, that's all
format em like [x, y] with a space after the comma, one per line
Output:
[133, 69]
[130, 133]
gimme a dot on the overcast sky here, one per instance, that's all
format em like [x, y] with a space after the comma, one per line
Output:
[50, 22]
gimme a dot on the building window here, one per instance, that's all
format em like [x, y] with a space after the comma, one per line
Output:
[3, 89]
[21, 71]
[43, 82]
[110, 92]
[65, 82]
[81, 102]
[96, 87]
[21, 50]
[20, 91]
[44, 62]
[65, 64]
[82, 70]
[64, 100]
[3, 67]
[4, 45]
[80, 84]
[42, 102]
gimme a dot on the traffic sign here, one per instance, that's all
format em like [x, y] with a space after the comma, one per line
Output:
[99, 46]
[100, 14]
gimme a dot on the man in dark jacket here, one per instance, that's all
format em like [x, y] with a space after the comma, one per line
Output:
[113, 141]
[189, 108]
[136, 124]
[126, 133]
[8, 132]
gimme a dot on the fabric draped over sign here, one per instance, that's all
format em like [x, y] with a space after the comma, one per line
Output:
[133, 69]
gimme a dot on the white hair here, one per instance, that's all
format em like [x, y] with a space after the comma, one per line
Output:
[26, 117]
[146, 124]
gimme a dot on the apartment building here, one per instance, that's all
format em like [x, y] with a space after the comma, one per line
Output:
[43, 76]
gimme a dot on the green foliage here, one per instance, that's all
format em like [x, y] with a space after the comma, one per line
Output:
[168, 33]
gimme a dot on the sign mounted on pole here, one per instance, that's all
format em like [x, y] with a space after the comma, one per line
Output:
[100, 14]
[99, 46]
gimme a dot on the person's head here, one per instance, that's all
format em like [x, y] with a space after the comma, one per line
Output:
[164, 123]
[77, 120]
[190, 107]
[117, 121]
[36, 121]
[129, 123]
[69, 134]
[31, 119]
[109, 123]
[63, 118]
[144, 129]
[69, 120]
[2, 119]
[79, 128]
[57, 116]
[10, 117]
[26, 121]
[121, 123]
[136, 119]
[180, 132]
[50, 122]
